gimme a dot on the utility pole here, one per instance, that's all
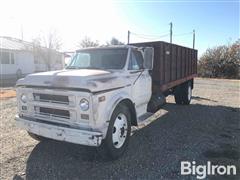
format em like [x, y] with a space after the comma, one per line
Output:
[193, 38]
[128, 39]
[171, 32]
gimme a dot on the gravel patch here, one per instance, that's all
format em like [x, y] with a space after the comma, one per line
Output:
[206, 130]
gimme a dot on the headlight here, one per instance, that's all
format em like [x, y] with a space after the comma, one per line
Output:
[24, 98]
[84, 104]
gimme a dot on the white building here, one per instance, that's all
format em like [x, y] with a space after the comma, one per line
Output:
[19, 58]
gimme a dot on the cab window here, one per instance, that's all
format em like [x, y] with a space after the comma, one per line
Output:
[136, 60]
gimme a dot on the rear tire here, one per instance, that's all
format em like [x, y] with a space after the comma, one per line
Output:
[118, 134]
[178, 94]
[183, 93]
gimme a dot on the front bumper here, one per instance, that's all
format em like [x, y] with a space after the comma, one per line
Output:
[71, 135]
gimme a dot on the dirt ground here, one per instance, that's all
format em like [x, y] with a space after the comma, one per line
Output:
[206, 130]
[7, 93]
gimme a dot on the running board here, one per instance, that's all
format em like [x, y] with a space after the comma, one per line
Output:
[144, 117]
[148, 118]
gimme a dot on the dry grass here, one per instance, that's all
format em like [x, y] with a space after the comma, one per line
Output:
[7, 93]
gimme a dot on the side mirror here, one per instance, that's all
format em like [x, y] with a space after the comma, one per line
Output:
[148, 55]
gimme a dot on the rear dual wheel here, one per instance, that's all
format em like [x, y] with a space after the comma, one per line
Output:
[183, 93]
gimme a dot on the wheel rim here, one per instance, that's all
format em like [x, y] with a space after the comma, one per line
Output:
[119, 133]
[189, 93]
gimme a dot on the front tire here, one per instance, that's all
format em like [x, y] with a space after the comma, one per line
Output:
[118, 134]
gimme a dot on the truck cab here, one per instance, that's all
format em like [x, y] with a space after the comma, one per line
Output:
[94, 101]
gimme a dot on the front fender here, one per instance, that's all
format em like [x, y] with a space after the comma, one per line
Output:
[115, 100]
[104, 110]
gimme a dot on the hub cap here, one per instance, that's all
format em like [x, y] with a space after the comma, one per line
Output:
[119, 132]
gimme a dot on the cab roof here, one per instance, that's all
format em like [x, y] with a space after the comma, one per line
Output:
[108, 47]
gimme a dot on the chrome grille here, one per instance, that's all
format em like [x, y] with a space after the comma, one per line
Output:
[59, 99]
[52, 112]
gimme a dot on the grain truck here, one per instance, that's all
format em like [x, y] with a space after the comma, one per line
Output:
[104, 92]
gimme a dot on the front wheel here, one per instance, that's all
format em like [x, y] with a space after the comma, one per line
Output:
[118, 134]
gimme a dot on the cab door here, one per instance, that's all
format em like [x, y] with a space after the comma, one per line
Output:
[140, 81]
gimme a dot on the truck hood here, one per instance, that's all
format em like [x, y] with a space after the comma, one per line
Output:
[85, 79]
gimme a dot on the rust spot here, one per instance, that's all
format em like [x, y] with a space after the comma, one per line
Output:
[60, 81]
[91, 83]
[103, 80]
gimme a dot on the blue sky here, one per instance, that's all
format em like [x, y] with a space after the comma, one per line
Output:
[215, 22]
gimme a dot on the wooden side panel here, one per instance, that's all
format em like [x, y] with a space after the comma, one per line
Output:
[186, 63]
[195, 60]
[162, 62]
[178, 59]
[167, 62]
[156, 64]
[190, 62]
[183, 58]
[181, 62]
[174, 64]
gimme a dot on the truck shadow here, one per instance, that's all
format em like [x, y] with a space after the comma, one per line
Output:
[197, 132]
[198, 98]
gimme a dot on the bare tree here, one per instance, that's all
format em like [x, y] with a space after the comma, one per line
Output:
[114, 41]
[87, 42]
[45, 48]
[221, 61]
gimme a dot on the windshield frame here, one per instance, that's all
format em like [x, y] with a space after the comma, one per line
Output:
[106, 48]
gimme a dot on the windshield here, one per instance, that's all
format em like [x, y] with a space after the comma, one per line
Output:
[99, 59]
